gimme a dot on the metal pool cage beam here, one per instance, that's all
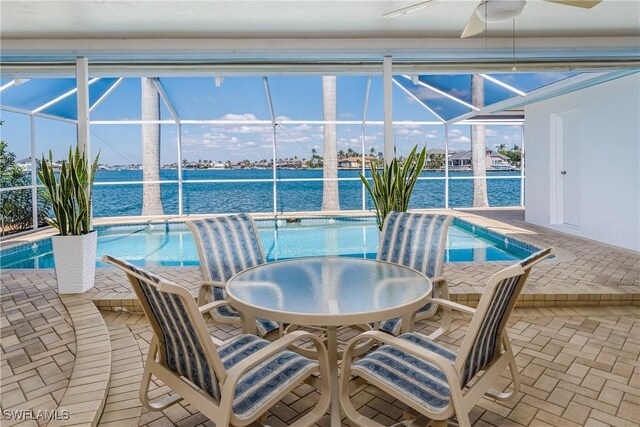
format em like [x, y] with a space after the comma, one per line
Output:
[387, 72]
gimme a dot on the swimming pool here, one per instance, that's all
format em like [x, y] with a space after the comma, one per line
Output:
[171, 244]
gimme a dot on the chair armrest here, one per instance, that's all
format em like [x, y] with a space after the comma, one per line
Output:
[213, 283]
[413, 349]
[234, 374]
[439, 280]
[212, 305]
[454, 305]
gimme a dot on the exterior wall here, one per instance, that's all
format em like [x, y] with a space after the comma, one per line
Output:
[609, 153]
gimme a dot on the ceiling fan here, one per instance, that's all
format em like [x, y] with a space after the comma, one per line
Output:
[489, 11]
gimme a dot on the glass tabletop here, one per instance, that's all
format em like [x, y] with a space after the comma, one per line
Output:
[328, 287]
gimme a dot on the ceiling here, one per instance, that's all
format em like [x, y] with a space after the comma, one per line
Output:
[299, 19]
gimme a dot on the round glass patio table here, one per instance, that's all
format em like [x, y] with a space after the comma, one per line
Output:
[328, 292]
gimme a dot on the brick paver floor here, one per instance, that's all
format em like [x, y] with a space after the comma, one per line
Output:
[579, 358]
[38, 344]
[579, 366]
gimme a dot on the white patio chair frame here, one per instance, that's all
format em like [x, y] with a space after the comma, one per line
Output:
[219, 411]
[463, 397]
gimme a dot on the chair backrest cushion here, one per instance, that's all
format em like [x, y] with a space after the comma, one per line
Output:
[227, 245]
[415, 240]
[486, 338]
[486, 342]
[183, 352]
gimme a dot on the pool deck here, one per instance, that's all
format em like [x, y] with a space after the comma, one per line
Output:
[583, 273]
[576, 336]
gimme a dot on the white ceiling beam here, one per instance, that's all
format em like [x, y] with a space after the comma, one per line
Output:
[443, 93]
[408, 92]
[267, 91]
[444, 47]
[165, 98]
[559, 88]
[106, 94]
[366, 101]
[503, 84]
[61, 97]
[12, 83]
[41, 115]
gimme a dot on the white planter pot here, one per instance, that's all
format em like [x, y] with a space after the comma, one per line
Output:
[75, 259]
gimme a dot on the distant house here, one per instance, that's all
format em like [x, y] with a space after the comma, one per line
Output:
[438, 151]
[290, 163]
[354, 162]
[493, 160]
[25, 164]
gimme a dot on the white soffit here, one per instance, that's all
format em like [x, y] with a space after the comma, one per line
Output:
[299, 18]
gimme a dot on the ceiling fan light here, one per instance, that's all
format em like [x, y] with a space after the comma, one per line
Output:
[499, 10]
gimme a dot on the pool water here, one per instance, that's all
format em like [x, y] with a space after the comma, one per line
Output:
[172, 244]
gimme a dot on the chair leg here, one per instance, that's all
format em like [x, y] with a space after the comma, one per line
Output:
[158, 404]
[443, 292]
[515, 375]
[203, 295]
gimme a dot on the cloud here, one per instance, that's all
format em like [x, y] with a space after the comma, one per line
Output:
[404, 132]
[239, 117]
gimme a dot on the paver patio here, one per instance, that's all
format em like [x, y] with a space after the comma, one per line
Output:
[576, 336]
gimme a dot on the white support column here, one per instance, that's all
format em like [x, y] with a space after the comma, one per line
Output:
[82, 82]
[274, 141]
[364, 137]
[446, 166]
[34, 165]
[179, 138]
[387, 83]
[522, 165]
[83, 126]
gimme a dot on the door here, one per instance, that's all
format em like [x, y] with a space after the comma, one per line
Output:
[568, 169]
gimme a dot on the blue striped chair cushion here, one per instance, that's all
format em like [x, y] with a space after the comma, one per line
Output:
[415, 240]
[184, 352]
[413, 378]
[393, 326]
[264, 326]
[265, 380]
[230, 244]
[485, 346]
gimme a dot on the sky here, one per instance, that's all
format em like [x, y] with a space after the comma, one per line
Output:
[241, 100]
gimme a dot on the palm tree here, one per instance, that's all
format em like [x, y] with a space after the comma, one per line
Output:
[330, 195]
[151, 194]
[478, 147]
[341, 154]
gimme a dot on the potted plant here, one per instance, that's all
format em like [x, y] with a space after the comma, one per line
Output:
[74, 248]
[391, 189]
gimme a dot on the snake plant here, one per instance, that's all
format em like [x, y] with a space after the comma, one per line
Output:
[391, 190]
[70, 194]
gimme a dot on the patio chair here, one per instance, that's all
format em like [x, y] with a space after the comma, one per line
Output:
[417, 241]
[226, 246]
[231, 383]
[434, 380]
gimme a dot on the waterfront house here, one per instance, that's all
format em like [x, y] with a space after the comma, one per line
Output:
[493, 160]
[355, 162]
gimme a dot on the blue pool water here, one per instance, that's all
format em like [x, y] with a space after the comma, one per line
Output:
[171, 244]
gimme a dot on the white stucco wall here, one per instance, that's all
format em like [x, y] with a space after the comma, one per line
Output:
[609, 157]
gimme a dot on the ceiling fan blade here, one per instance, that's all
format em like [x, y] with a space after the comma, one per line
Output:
[585, 4]
[409, 9]
[474, 26]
